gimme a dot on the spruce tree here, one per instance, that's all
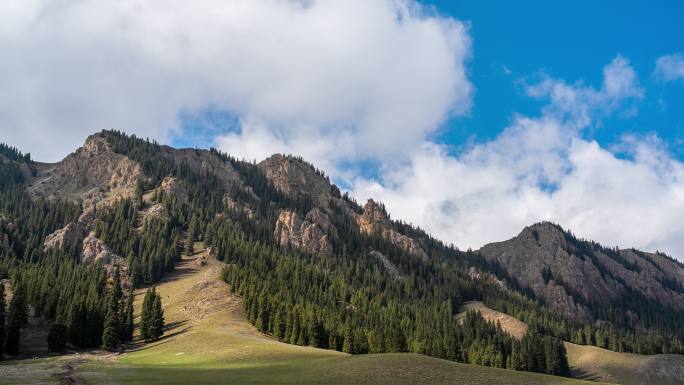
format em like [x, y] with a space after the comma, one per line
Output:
[315, 332]
[127, 326]
[16, 320]
[116, 286]
[111, 336]
[146, 315]
[2, 317]
[348, 345]
[157, 317]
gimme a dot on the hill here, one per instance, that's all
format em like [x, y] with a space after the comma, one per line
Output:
[597, 364]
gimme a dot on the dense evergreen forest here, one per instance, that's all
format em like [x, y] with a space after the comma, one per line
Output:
[344, 301]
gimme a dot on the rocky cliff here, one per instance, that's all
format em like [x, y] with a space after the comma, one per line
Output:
[295, 177]
[310, 234]
[92, 174]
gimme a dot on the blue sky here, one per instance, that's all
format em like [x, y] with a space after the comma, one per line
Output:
[469, 119]
[571, 40]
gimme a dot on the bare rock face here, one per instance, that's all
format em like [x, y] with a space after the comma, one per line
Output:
[91, 174]
[293, 176]
[71, 233]
[375, 220]
[153, 213]
[308, 235]
[94, 250]
[238, 206]
[563, 270]
[172, 186]
[389, 267]
[204, 161]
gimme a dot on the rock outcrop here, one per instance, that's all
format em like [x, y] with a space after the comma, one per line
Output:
[294, 176]
[95, 250]
[72, 233]
[203, 161]
[389, 267]
[171, 186]
[376, 220]
[309, 234]
[93, 173]
[297, 178]
[153, 213]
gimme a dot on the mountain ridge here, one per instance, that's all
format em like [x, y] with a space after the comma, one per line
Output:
[315, 267]
[103, 175]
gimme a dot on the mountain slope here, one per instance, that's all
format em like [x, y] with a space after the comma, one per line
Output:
[209, 341]
[620, 296]
[312, 266]
[597, 364]
[568, 272]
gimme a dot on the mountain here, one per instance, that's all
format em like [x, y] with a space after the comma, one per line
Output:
[312, 266]
[573, 275]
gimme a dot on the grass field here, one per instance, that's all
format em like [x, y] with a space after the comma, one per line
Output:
[209, 342]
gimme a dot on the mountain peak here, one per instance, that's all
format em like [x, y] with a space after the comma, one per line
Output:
[293, 176]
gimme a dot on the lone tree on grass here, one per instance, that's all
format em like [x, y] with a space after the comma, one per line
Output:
[152, 316]
[16, 320]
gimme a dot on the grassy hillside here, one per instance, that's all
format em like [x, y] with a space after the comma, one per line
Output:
[513, 326]
[590, 362]
[596, 364]
[208, 341]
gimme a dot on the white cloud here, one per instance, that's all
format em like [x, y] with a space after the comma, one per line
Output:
[543, 168]
[579, 104]
[670, 67]
[381, 74]
[340, 82]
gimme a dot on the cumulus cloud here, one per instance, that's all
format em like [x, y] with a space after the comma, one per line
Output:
[379, 74]
[544, 168]
[670, 68]
[341, 82]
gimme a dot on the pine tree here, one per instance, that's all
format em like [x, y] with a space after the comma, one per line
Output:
[116, 286]
[157, 317]
[315, 332]
[348, 345]
[146, 315]
[111, 336]
[127, 327]
[16, 320]
[294, 336]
